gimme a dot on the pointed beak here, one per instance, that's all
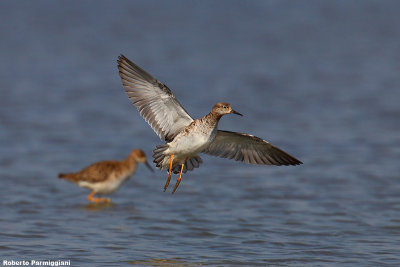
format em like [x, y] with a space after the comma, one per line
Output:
[235, 112]
[148, 166]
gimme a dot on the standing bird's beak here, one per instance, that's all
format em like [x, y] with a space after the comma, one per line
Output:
[235, 112]
[148, 166]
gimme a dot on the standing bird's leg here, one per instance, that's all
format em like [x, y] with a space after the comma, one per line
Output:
[169, 173]
[97, 199]
[179, 179]
[90, 197]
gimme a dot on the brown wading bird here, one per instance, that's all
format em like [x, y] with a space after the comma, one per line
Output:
[105, 177]
[186, 137]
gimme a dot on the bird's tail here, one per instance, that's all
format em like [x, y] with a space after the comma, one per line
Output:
[67, 176]
[190, 164]
[159, 156]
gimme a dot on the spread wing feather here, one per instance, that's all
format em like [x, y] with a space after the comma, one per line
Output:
[154, 100]
[248, 148]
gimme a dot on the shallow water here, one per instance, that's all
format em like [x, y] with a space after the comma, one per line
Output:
[318, 79]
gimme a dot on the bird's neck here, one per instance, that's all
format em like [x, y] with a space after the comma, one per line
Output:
[212, 119]
[130, 163]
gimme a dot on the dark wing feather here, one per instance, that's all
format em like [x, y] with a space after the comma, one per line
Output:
[248, 148]
[154, 100]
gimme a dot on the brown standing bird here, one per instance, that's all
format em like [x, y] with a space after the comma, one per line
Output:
[187, 137]
[105, 177]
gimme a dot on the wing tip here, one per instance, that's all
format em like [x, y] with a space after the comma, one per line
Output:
[121, 57]
[297, 163]
[122, 60]
[290, 160]
[293, 162]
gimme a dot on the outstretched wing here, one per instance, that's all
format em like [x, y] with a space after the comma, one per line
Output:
[248, 148]
[154, 100]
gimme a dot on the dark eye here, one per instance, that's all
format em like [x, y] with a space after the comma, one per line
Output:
[225, 107]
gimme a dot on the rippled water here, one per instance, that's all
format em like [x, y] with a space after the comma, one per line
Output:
[320, 79]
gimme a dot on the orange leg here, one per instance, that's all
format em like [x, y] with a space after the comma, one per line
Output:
[169, 173]
[179, 179]
[97, 199]
[90, 196]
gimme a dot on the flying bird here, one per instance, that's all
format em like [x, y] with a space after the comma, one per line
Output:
[186, 137]
[105, 177]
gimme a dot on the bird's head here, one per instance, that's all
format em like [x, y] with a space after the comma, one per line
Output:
[140, 156]
[223, 108]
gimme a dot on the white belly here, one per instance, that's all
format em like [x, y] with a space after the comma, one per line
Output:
[106, 187]
[184, 147]
[189, 145]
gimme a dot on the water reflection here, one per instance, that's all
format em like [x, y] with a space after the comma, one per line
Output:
[99, 206]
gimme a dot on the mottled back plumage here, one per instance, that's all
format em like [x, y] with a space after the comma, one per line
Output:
[105, 177]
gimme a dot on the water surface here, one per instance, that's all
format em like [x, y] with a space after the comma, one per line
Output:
[318, 79]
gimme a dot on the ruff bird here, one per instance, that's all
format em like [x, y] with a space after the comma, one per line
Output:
[106, 177]
[186, 137]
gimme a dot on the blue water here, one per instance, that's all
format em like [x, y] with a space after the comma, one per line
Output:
[319, 79]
